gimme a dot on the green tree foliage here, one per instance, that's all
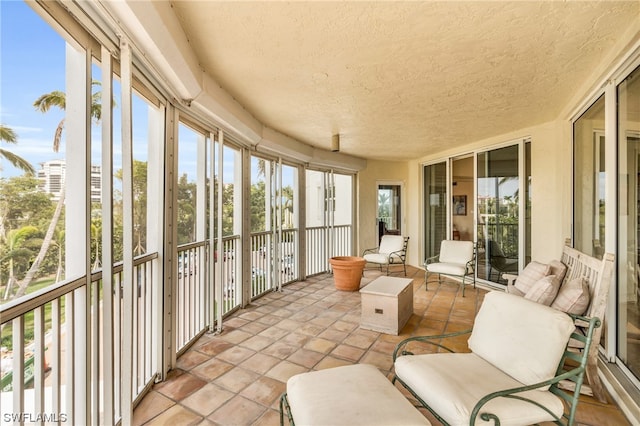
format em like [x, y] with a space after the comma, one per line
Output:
[187, 193]
[258, 207]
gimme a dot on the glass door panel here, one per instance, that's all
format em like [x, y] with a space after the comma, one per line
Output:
[498, 213]
[589, 189]
[628, 349]
[435, 209]
[389, 210]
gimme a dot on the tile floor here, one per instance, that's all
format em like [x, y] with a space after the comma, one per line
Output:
[237, 377]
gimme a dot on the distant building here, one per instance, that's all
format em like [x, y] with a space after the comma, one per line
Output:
[52, 175]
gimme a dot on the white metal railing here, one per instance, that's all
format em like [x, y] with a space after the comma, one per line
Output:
[324, 242]
[191, 302]
[261, 255]
[231, 288]
[47, 345]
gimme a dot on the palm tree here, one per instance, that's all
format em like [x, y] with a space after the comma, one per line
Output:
[43, 104]
[8, 135]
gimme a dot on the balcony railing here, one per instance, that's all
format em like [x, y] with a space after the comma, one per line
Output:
[72, 341]
[47, 328]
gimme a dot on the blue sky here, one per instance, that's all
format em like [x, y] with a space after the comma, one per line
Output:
[32, 63]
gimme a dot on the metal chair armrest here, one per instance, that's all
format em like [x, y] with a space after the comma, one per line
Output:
[431, 340]
[370, 250]
[432, 259]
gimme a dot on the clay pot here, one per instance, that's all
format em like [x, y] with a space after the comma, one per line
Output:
[347, 272]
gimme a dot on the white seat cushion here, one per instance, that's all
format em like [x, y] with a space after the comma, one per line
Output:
[446, 268]
[452, 384]
[352, 395]
[377, 258]
[524, 339]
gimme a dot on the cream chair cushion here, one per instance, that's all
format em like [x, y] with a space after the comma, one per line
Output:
[443, 381]
[388, 244]
[351, 395]
[453, 258]
[514, 342]
[524, 339]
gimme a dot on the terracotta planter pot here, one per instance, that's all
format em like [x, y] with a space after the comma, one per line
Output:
[347, 272]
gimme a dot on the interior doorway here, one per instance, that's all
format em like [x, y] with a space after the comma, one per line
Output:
[389, 218]
[462, 207]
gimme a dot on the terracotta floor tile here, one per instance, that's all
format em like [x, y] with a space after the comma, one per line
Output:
[264, 391]
[359, 341]
[236, 379]
[238, 411]
[333, 335]
[295, 339]
[207, 399]
[280, 350]
[350, 353]
[212, 369]
[305, 358]
[176, 415]
[191, 359]
[330, 362]
[151, 405]
[284, 370]
[320, 345]
[259, 363]
[214, 347]
[257, 343]
[235, 336]
[182, 386]
[235, 355]
[269, 418]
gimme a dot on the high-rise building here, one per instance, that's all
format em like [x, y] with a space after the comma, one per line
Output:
[52, 175]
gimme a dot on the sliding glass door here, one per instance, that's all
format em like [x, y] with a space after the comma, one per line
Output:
[435, 207]
[498, 212]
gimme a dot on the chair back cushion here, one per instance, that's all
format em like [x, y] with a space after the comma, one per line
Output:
[524, 339]
[391, 243]
[455, 251]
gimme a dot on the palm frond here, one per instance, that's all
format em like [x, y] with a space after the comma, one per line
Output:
[46, 101]
[17, 161]
[7, 134]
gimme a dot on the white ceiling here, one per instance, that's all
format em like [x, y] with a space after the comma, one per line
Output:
[399, 80]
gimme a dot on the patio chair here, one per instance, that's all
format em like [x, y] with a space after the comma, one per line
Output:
[512, 374]
[456, 259]
[498, 261]
[392, 251]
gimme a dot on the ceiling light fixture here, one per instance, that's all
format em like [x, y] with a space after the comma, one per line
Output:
[335, 143]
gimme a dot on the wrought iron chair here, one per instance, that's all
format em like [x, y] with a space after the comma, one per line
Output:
[512, 375]
[456, 259]
[392, 250]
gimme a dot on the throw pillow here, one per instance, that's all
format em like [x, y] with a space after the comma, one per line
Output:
[558, 268]
[530, 275]
[573, 297]
[544, 291]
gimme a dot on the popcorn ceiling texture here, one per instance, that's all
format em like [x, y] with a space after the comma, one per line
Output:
[399, 80]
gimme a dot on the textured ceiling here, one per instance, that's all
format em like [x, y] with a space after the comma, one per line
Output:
[399, 80]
